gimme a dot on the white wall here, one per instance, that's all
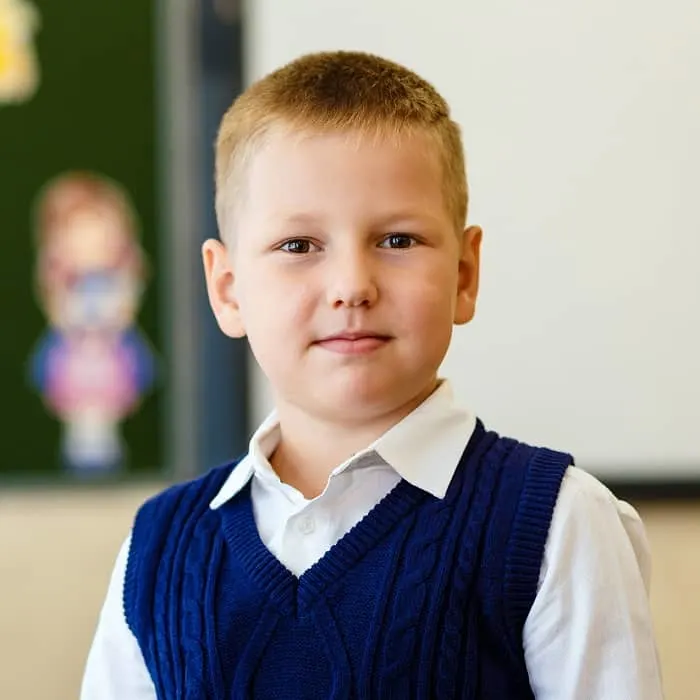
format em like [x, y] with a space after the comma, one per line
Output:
[582, 128]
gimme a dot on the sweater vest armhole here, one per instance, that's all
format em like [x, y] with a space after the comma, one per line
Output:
[528, 538]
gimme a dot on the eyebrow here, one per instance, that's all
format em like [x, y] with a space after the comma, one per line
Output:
[304, 219]
[408, 217]
[382, 221]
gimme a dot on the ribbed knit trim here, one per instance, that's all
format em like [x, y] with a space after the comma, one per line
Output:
[529, 535]
[287, 591]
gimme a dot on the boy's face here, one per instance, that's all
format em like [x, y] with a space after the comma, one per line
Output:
[345, 272]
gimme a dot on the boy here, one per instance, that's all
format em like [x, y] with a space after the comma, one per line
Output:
[377, 541]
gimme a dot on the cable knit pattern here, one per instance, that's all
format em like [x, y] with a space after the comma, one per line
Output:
[417, 596]
[171, 554]
[423, 598]
[198, 610]
[420, 559]
[475, 490]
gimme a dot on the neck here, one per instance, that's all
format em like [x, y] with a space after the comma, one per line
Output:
[312, 446]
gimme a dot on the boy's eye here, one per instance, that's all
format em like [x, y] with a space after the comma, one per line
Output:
[398, 240]
[298, 246]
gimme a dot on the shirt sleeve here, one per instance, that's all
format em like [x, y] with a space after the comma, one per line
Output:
[115, 668]
[589, 633]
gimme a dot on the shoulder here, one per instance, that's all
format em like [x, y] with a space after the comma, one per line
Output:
[179, 502]
[585, 504]
[590, 524]
[48, 343]
[163, 518]
[581, 491]
[132, 340]
[163, 526]
[528, 484]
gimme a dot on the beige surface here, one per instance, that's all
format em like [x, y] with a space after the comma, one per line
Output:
[56, 551]
[674, 533]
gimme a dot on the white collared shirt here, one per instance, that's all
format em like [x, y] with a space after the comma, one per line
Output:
[589, 633]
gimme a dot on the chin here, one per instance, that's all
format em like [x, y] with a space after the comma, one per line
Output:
[362, 401]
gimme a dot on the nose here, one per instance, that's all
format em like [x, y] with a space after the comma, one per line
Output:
[352, 280]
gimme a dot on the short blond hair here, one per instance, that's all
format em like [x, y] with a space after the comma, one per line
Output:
[339, 91]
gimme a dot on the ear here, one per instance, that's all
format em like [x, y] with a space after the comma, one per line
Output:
[220, 278]
[468, 274]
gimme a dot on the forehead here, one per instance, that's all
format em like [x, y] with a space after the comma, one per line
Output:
[292, 171]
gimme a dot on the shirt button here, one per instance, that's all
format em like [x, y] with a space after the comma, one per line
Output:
[307, 525]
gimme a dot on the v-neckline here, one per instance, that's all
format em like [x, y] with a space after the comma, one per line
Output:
[289, 592]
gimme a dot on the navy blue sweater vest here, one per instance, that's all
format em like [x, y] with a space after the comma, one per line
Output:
[424, 598]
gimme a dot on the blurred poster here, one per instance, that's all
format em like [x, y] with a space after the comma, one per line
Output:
[93, 364]
[19, 66]
[80, 210]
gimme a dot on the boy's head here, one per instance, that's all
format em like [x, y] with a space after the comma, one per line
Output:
[342, 198]
[340, 92]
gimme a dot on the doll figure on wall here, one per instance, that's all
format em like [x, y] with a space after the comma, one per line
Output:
[19, 65]
[93, 365]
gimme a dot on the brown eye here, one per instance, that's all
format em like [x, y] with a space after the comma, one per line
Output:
[398, 240]
[297, 246]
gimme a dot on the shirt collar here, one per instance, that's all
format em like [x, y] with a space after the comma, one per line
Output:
[424, 448]
[260, 448]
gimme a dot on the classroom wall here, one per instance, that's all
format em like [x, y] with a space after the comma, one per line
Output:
[580, 123]
[57, 549]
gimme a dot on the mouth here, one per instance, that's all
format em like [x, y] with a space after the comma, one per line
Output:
[353, 342]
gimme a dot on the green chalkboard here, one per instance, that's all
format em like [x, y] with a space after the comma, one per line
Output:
[92, 112]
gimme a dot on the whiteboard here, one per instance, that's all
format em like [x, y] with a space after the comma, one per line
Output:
[581, 123]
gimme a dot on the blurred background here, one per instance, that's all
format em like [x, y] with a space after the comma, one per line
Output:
[581, 129]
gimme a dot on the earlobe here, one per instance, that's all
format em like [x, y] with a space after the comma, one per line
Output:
[468, 275]
[220, 279]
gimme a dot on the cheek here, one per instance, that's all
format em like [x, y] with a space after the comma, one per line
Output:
[273, 308]
[431, 302]
[278, 325]
[427, 314]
